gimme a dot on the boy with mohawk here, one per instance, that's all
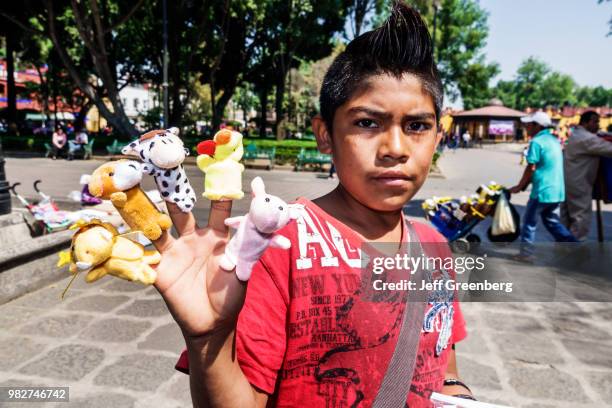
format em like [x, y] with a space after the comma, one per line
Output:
[303, 335]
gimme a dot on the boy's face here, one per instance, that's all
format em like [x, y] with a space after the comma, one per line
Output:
[384, 138]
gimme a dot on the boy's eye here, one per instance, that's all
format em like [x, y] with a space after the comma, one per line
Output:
[418, 126]
[366, 123]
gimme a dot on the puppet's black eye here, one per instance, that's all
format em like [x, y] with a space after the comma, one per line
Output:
[111, 174]
[280, 208]
[267, 199]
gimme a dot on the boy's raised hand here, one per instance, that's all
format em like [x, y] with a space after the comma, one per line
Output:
[201, 296]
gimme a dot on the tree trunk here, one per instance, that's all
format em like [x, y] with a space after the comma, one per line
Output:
[79, 123]
[10, 78]
[93, 39]
[215, 121]
[222, 102]
[279, 108]
[263, 101]
[44, 90]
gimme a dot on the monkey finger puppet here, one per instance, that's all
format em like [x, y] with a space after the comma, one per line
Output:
[219, 159]
[162, 153]
[119, 181]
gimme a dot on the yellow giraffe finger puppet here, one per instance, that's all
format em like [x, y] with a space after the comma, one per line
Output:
[219, 159]
[99, 250]
[119, 181]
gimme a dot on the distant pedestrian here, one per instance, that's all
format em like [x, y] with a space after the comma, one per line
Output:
[78, 144]
[582, 153]
[332, 171]
[467, 139]
[545, 172]
[524, 156]
[58, 142]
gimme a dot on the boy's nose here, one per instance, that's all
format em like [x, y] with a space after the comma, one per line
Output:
[393, 146]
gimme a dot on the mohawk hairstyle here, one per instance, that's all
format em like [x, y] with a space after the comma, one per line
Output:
[402, 45]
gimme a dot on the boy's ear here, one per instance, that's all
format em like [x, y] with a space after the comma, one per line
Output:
[324, 142]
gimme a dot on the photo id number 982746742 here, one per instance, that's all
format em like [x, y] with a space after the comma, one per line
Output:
[34, 394]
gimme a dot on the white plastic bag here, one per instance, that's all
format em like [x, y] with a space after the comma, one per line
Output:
[503, 221]
[446, 401]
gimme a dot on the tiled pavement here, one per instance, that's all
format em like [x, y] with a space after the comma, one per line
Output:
[114, 343]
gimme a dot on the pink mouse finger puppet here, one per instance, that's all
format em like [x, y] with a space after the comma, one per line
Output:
[255, 230]
[163, 153]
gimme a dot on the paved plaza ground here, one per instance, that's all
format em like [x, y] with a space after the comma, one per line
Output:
[114, 343]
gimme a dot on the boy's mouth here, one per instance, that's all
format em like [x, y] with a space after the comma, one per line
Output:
[392, 178]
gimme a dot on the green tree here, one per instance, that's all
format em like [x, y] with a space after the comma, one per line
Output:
[474, 84]
[83, 36]
[558, 90]
[594, 96]
[292, 31]
[358, 12]
[460, 38]
[536, 85]
[505, 91]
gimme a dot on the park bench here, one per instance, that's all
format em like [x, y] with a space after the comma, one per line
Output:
[86, 152]
[313, 157]
[48, 149]
[252, 152]
[114, 148]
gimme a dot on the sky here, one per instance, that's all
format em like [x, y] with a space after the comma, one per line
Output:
[569, 35]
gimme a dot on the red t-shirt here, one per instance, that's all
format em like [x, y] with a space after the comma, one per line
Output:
[306, 335]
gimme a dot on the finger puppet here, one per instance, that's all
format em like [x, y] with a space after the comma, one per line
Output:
[219, 160]
[98, 249]
[163, 153]
[255, 230]
[119, 181]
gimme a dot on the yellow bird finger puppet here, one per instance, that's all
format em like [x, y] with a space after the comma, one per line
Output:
[119, 181]
[219, 159]
[163, 153]
[99, 250]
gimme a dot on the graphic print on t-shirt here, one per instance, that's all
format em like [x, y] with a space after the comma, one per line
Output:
[341, 334]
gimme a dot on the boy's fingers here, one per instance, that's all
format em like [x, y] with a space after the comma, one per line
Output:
[163, 242]
[184, 222]
[219, 211]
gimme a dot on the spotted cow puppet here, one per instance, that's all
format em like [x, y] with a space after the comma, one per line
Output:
[163, 153]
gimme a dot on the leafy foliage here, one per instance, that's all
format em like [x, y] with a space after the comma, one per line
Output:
[536, 85]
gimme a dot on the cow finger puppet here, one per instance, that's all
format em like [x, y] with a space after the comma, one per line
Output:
[219, 159]
[255, 231]
[162, 153]
[119, 181]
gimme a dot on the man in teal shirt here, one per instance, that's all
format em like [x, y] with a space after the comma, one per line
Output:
[545, 172]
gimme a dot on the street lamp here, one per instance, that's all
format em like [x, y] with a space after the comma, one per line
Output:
[436, 5]
[5, 196]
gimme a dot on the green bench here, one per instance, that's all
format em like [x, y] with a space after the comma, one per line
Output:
[48, 149]
[252, 152]
[115, 148]
[86, 151]
[312, 157]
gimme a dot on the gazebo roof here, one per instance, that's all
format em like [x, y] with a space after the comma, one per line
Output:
[494, 110]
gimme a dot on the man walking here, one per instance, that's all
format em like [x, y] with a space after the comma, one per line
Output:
[545, 171]
[581, 162]
[467, 138]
